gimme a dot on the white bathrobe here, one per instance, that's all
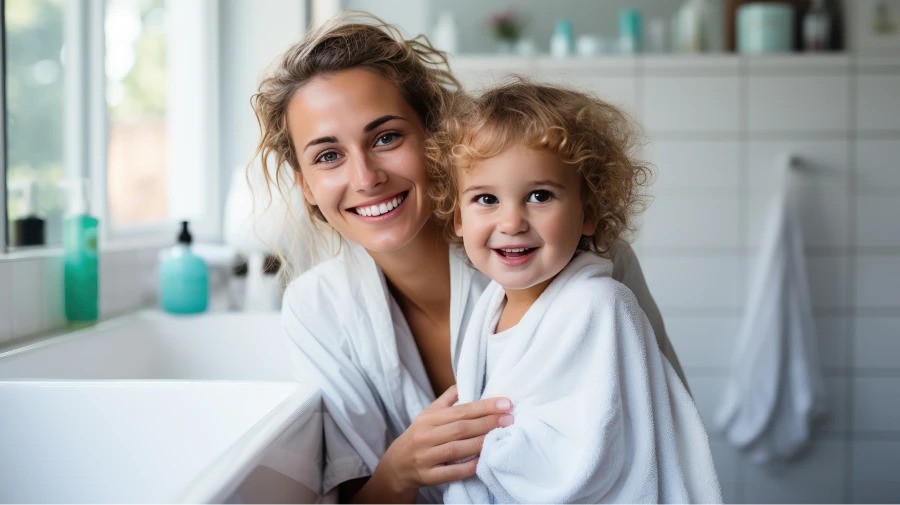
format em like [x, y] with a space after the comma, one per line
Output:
[348, 334]
[600, 416]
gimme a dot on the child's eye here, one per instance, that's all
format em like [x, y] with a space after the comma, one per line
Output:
[486, 199]
[539, 196]
[327, 157]
[386, 139]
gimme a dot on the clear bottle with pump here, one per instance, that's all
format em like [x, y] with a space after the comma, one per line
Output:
[183, 278]
[80, 261]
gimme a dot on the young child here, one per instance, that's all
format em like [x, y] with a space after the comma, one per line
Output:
[539, 182]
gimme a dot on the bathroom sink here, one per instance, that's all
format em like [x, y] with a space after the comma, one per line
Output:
[155, 345]
[145, 441]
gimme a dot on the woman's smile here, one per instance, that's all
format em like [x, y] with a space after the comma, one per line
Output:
[381, 208]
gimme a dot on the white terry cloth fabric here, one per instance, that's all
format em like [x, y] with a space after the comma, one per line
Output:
[347, 333]
[775, 391]
[600, 414]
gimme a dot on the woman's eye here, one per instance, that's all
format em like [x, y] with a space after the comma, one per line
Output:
[327, 157]
[486, 199]
[386, 139]
[539, 196]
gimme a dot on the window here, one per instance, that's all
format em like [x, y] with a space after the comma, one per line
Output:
[121, 93]
[34, 80]
[137, 175]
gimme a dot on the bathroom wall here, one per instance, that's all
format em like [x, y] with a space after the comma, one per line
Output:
[717, 126]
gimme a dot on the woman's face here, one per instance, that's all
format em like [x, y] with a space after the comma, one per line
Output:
[361, 150]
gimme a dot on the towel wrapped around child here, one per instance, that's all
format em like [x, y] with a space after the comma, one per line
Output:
[600, 415]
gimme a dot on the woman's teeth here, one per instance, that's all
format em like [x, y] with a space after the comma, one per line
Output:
[381, 208]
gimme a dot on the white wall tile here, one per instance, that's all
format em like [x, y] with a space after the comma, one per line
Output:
[619, 91]
[699, 221]
[828, 281]
[816, 477]
[695, 165]
[827, 161]
[878, 280]
[833, 341]
[27, 297]
[876, 342]
[824, 216]
[837, 418]
[795, 103]
[875, 476]
[478, 74]
[54, 310]
[5, 301]
[878, 102]
[615, 85]
[704, 282]
[690, 104]
[873, 409]
[876, 221]
[878, 165]
[703, 342]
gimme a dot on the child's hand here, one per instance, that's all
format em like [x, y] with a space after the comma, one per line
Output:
[429, 451]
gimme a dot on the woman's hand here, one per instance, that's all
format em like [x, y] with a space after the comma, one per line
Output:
[440, 446]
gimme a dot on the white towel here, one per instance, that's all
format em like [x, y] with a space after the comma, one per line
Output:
[600, 415]
[775, 391]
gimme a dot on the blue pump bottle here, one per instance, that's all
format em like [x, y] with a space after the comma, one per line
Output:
[183, 278]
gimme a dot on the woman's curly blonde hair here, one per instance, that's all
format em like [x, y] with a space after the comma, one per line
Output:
[349, 41]
[595, 138]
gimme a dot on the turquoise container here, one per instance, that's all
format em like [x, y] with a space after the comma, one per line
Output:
[80, 268]
[631, 33]
[183, 278]
[765, 28]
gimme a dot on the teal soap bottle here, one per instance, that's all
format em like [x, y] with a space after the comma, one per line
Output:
[80, 263]
[183, 278]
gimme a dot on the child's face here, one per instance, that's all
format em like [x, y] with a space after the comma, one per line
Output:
[521, 216]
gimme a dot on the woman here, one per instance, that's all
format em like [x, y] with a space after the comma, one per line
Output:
[348, 110]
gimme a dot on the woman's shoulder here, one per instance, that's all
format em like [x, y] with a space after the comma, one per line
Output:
[333, 277]
[589, 280]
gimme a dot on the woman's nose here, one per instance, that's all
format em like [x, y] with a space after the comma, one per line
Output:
[512, 221]
[365, 175]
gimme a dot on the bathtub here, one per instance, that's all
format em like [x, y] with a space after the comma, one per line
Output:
[185, 355]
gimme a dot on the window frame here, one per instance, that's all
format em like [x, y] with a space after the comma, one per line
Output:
[4, 212]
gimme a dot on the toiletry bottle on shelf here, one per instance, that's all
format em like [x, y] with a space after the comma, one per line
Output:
[630, 31]
[183, 278]
[80, 260]
[562, 43]
[817, 27]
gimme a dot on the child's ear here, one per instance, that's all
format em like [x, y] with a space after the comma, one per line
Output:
[591, 220]
[307, 194]
[457, 223]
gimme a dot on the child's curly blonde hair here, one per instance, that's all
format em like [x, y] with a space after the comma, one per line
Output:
[592, 136]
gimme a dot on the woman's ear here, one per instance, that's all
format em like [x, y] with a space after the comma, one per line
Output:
[307, 194]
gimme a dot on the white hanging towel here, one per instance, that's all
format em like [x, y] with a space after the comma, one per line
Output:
[775, 392]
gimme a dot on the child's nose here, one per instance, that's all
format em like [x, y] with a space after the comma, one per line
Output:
[512, 221]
